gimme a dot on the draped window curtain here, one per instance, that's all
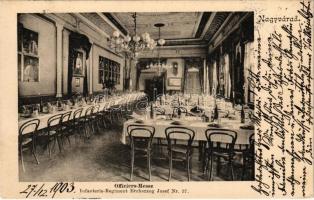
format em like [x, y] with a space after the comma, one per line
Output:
[201, 77]
[184, 82]
[214, 78]
[248, 65]
[227, 76]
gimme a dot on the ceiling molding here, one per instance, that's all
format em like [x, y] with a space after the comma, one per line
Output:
[105, 18]
[197, 25]
[212, 46]
[91, 24]
[117, 23]
[209, 22]
[221, 27]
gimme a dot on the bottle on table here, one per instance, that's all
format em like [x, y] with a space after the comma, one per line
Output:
[216, 114]
[41, 105]
[242, 115]
[179, 112]
[151, 111]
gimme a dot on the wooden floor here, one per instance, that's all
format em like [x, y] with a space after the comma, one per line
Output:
[104, 158]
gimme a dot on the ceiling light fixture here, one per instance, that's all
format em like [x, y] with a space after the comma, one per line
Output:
[132, 45]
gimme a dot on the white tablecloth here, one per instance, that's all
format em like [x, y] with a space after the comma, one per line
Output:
[120, 100]
[198, 126]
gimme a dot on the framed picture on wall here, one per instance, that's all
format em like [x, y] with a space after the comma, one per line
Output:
[173, 81]
[30, 42]
[77, 82]
[79, 63]
[30, 69]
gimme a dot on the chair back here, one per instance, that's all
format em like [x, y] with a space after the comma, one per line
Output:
[179, 133]
[54, 122]
[77, 114]
[66, 117]
[29, 127]
[96, 109]
[140, 132]
[89, 112]
[221, 140]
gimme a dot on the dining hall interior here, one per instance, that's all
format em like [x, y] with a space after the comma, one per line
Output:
[135, 96]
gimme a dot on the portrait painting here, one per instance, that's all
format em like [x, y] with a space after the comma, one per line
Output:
[78, 63]
[30, 70]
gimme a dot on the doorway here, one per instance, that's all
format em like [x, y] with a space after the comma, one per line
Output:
[150, 84]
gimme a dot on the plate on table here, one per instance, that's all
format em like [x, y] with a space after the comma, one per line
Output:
[247, 127]
[139, 121]
[232, 117]
[177, 123]
[26, 115]
[214, 125]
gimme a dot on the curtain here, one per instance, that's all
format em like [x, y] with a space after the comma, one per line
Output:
[227, 76]
[201, 76]
[214, 89]
[248, 65]
[185, 69]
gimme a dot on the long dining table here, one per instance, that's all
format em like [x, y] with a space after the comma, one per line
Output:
[160, 123]
[110, 102]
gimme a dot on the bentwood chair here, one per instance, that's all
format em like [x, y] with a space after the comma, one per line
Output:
[141, 137]
[87, 120]
[66, 126]
[27, 139]
[52, 133]
[95, 116]
[180, 141]
[248, 158]
[220, 145]
[77, 123]
[105, 113]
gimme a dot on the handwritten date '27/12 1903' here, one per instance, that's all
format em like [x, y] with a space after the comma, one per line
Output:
[41, 190]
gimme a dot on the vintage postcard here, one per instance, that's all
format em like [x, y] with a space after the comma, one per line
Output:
[156, 99]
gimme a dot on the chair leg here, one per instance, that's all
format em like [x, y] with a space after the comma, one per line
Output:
[218, 166]
[188, 166]
[243, 167]
[21, 156]
[211, 168]
[231, 168]
[49, 148]
[149, 165]
[170, 166]
[132, 164]
[68, 138]
[200, 150]
[59, 143]
[34, 153]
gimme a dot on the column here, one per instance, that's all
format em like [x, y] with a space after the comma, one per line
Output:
[59, 28]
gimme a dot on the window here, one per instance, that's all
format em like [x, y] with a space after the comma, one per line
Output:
[28, 59]
[109, 71]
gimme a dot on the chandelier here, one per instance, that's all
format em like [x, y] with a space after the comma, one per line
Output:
[160, 43]
[132, 45]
